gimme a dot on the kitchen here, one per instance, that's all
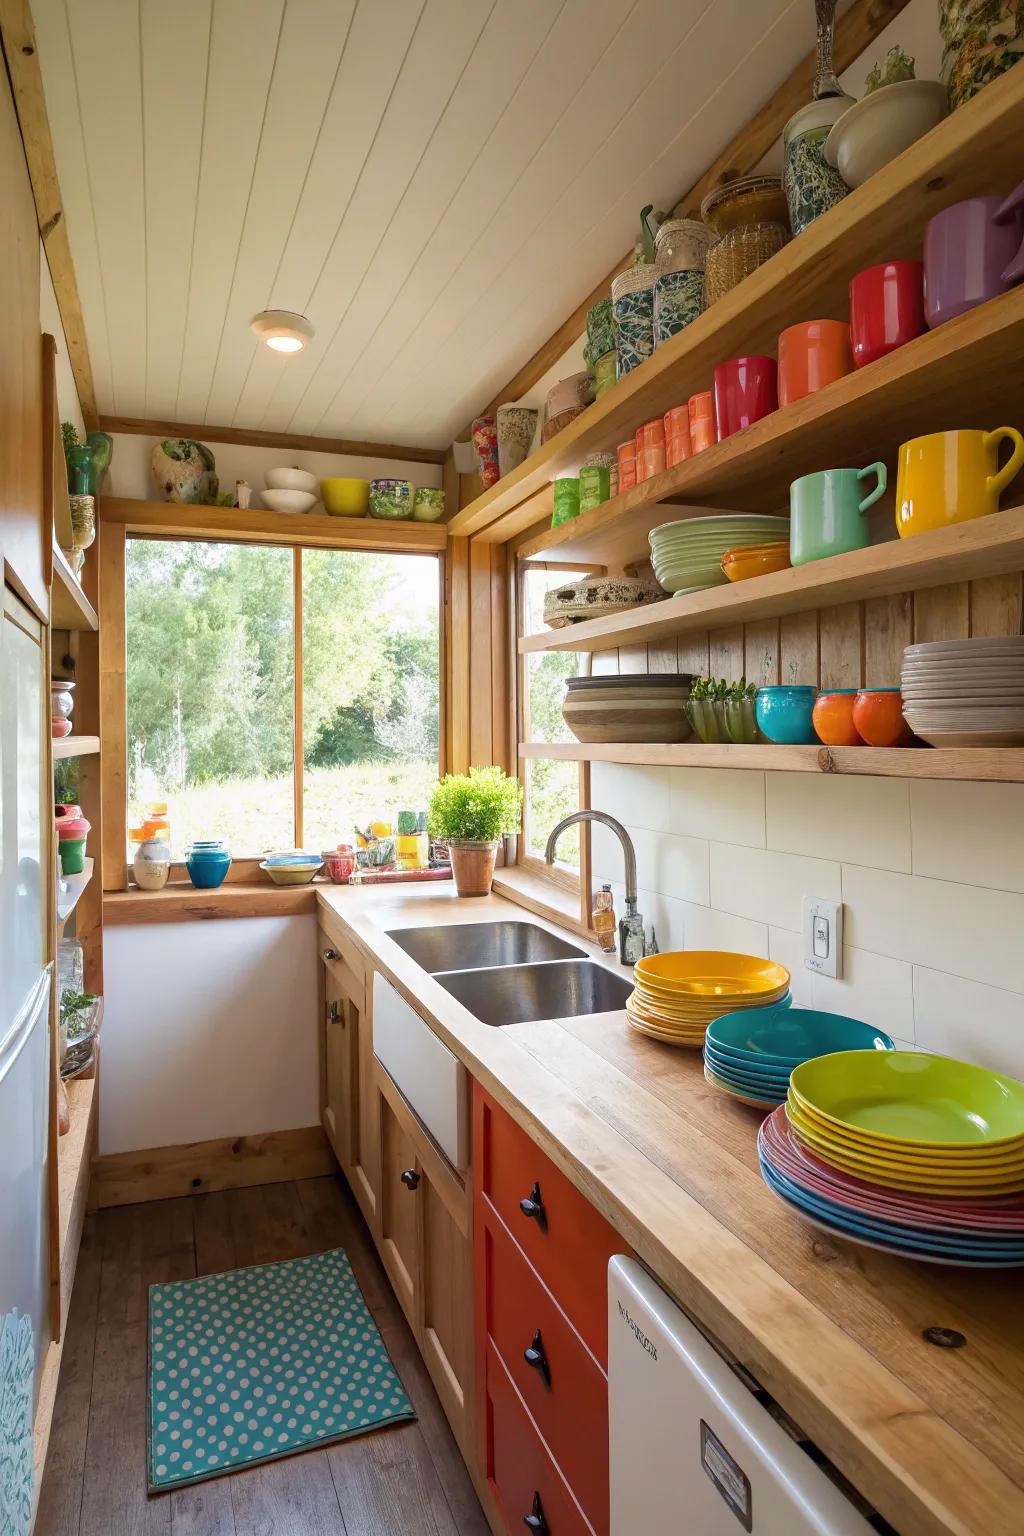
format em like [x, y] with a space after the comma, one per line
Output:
[511, 920]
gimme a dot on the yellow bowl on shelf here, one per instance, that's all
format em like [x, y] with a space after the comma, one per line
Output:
[908, 1097]
[345, 497]
[292, 874]
[712, 974]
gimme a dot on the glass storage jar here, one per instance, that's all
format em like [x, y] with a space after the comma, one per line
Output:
[749, 217]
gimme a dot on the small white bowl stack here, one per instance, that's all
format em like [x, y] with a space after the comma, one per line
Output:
[291, 490]
[965, 693]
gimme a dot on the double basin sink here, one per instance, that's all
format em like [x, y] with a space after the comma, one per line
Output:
[513, 972]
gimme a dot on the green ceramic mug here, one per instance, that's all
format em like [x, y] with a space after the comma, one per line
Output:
[826, 512]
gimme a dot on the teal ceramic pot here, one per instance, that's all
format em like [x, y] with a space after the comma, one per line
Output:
[826, 512]
[391, 498]
[207, 870]
[678, 300]
[811, 185]
[784, 715]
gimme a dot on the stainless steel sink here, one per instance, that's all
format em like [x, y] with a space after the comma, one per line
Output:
[475, 946]
[518, 994]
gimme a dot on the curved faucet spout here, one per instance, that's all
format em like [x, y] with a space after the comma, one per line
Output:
[620, 832]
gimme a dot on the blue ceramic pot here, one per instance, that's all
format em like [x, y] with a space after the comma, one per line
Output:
[784, 714]
[208, 870]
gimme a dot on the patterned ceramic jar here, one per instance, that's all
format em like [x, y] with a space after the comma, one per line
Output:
[516, 427]
[595, 486]
[391, 498]
[151, 864]
[608, 461]
[485, 449]
[812, 186]
[682, 245]
[566, 500]
[601, 328]
[428, 504]
[633, 301]
[981, 40]
[678, 299]
[605, 373]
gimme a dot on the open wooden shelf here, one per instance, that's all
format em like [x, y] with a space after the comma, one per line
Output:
[69, 891]
[75, 746]
[984, 547]
[69, 606]
[978, 149]
[74, 1154]
[311, 530]
[956, 376]
[999, 764]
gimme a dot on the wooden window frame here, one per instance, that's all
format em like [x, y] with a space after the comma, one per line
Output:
[190, 526]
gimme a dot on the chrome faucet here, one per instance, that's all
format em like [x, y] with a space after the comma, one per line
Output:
[631, 927]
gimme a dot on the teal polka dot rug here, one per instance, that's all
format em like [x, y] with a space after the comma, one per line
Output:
[258, 1363]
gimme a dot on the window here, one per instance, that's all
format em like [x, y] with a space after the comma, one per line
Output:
[551, 785]
[279, 697]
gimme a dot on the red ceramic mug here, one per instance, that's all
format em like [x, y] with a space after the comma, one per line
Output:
[745, 390]
[886, 309]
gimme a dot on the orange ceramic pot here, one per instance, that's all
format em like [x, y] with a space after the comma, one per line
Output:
[703, 431]
[650, 449]
[627, 465]
[878, 716]
[677, 435]
[833, 718]
[811, 355]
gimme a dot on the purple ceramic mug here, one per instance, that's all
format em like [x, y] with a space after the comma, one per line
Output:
[972, 252]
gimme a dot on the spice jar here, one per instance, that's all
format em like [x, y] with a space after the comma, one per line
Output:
[749, 218]
[812, 186]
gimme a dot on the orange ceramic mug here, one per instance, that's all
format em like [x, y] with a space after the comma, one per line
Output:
[811, 355]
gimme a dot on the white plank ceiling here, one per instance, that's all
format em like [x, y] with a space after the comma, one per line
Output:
[436, 184]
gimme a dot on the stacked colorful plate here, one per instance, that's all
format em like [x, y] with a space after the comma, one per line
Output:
[965, 693]
[917, 1155]
[687, 555]
[750, 1055]
[679, 994]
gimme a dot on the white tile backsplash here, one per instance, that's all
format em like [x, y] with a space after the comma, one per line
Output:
[854, 819]
[931, 874]
[767, 885]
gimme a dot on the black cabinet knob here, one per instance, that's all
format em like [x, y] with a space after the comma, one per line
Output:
[331, 954]
[533, 1206]
[535, 1520]
[410, 1178]
[536, 1357]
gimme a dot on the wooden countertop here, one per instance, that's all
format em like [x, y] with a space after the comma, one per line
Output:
[932, 1437]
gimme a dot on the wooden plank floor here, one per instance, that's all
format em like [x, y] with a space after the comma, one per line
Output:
[405, 1481]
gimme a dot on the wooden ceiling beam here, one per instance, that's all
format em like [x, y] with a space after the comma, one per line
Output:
[251, 438]
[19, 44]
[856, 30]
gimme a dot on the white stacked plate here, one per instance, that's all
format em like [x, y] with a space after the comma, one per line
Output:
[966, 693]
[687, 555]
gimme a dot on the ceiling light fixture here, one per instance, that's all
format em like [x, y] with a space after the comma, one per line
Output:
[282, 330]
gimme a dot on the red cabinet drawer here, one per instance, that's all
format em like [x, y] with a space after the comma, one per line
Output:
[568, 1242]
[565, 1389]
[521, 1474]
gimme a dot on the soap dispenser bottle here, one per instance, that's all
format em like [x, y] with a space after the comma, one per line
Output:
[603, 919]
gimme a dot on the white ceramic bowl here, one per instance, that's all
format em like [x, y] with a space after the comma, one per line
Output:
[291, 480]
[881, 126]
[289, 501]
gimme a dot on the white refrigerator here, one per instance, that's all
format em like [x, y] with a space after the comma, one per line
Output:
[24, 1050]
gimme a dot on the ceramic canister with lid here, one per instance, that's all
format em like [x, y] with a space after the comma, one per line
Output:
[633, 302]
[594, 486]
[608, 461]
[682, 245]
[811, 185]
[566, 500]
[151, 864]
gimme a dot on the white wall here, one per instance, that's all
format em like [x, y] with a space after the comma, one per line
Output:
[209, 1029]
[931, 875]
[131, 473]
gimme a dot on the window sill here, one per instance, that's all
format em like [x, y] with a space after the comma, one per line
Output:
[184, 903]
[548, 898]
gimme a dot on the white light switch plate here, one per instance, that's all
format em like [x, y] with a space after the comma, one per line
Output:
[823, 936]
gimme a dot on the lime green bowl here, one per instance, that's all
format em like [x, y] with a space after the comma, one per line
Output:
[909, 1097]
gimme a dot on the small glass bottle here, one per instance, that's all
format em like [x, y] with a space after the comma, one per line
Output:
[603, 918]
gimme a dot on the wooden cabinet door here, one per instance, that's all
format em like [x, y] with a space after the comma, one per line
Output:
[341, 1071]
[348, 1095]
[399, 1207]
[446, 1302]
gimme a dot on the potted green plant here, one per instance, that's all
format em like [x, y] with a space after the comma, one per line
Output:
[473, 811]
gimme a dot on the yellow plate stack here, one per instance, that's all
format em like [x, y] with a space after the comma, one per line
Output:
[679, 994]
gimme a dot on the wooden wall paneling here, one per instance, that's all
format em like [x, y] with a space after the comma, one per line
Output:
[841, 645]
[604, 664]
[457, 659]
[761, 652]
[113, 706]
[888, 629]
[942, 613]
[995, 605]
[693, 654]
[725, 653]
[633, 658]
[663, 658]
[481, 682]
[501, 653]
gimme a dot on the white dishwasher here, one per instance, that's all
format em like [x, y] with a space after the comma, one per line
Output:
[691, 1446]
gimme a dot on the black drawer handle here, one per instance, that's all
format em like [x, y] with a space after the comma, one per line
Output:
[533, 1206]
[335, 1014]
[410, 1178]
[536, 1357]
[535, 1520]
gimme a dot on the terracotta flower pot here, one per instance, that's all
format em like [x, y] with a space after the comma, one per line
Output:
[472, 866]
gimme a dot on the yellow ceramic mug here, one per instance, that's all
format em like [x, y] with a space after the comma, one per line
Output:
[950, 477]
